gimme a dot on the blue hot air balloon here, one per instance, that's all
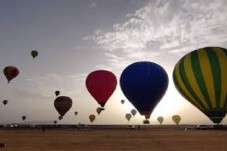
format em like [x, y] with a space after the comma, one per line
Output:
[144, 84]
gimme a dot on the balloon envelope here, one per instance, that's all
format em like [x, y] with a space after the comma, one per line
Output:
[34, 53]
[176, 119]
[128, 116]
[133, 112]
[144, 84]
[201, 77]
[160, 119]
[24, 117]
[92, 118]
[57, 93]
[122, 101]
[62, 104]
[5, 102]
[10, 72]
[101, 84]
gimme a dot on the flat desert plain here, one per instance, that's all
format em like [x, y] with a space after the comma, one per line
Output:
[143, 139]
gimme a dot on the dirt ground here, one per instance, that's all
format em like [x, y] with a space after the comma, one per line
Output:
[147, 139]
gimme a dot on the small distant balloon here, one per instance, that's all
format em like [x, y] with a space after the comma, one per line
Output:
[34, 53]
[5, 102]
[122, 101]
[55, 122]
[62, 104]
[24, 117]
[128, 116]
[133, 112]
[57, 93]
[76, 113]
[160, 119]
[176, 119]
[92, 118]
[10, 72]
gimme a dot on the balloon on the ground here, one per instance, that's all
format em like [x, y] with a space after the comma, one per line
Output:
[34, 53]
[176, 119]
[160, 119]
[128, 116]
[10, 72]
[92, 118]
[201, 77]
[144, 84]
[62, 104]
[101, 84]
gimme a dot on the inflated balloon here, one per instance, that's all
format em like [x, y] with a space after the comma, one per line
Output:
[101, 84]
[76, 113]
[24, 117]
[10, 72]
[57, 93]
[160, 119]
[34, 53]
[176, 119]
[99, 110]
[201, 77]
[5, 102]
[92, 118]
[128, 116]
[144, 84]
[133, 112]
[55, 122]
[62, 104]
[122, 101]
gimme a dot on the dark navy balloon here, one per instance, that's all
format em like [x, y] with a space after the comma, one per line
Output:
[144, 84]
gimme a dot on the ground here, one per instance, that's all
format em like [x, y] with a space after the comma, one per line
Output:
[101, 139]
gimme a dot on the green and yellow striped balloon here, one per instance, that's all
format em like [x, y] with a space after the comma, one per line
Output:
[201, 77]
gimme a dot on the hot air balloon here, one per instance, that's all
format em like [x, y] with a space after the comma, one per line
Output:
[34, 53]
[10, 72]
[62, 104]
[122, 101]
[92, 118]
[5, 102]
[23, 117]
[201, 77]
[128, 116]
[57, 93]
[76, 113]
[99, 110]
[101, 84]
[176, 119]
[133, 112]
[55, 122]
[160, 119]
[144, 84]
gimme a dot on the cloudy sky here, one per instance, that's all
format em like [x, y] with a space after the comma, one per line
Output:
[75, 38]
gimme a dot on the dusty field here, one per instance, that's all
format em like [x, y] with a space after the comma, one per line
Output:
[148, 139]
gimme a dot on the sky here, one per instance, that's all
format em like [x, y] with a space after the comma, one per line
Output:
[74, 38]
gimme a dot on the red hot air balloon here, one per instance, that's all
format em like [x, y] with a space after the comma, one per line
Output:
[10, 72]
[101, 85]
[62, 104]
